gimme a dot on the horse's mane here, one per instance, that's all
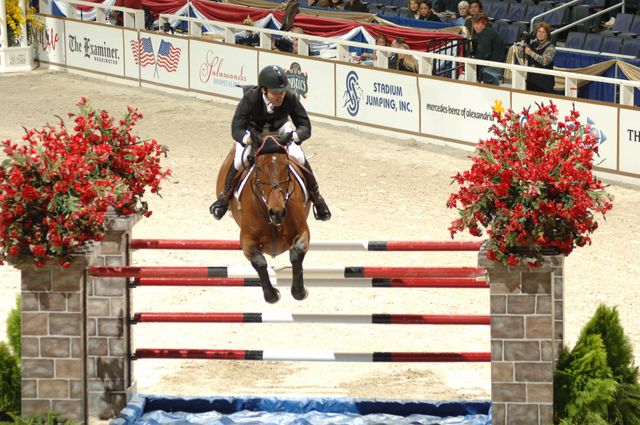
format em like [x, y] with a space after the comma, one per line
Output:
[271, 146]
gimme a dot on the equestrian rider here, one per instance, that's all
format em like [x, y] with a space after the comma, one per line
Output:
[266, 108]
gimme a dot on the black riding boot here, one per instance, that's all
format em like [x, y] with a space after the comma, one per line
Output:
[320, 208]
[221, 205]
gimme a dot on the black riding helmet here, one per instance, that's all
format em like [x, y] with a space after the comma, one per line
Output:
[273, 78]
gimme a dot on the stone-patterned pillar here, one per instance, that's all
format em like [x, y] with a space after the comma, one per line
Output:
[526, 338]
[53, 338]
[108, 365]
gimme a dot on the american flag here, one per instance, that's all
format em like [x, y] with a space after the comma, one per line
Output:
[168, 56]
[145, 49]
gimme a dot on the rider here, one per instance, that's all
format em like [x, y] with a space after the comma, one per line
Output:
[267, 108]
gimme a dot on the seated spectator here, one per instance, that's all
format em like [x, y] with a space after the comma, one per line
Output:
[475, 8]
[355, 6]
[249, 38]
[426, 12]
[132, 4]
[287, 44]
[490, 48]
[336, 4]
[320, 3]
[381, 40]
[463, 13]
[413, 6]
[406, 62]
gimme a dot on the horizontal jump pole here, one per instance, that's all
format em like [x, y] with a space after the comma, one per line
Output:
[366, 245]
[308, 356]
[284, 317]
[309, 272]
[401, 282]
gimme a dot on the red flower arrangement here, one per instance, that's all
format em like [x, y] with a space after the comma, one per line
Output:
[531, 185]
[56, 186]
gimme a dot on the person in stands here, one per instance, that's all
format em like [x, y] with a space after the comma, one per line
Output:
[463, 13]
[490, 48]
[475, 8]
[426, 12]
[355, 6]
[413, 6]
[540, 53]
[266, 108]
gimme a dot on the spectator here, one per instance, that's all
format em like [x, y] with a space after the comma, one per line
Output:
[406, 62]
[289, 43]
[132, 4]
[490, 48]
[336, 4]
[355, 6]
[426, 12]
[413, 6]
[540, 54]
[320, 3]
[475, 8]
[463, 13]
[381, 40]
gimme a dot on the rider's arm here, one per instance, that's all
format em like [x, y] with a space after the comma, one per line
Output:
[240, 124]
[300, 119]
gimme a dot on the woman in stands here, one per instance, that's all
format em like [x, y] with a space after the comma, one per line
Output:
[413, 6]
[463, 13]
[426, 12]
[539, 54]
[381, 40]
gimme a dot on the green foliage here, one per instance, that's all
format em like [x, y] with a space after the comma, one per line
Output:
[9, 382]
[597, 383]
[51, 419]
[13, 329]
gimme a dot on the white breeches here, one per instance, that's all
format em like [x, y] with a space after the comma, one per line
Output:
[240, 160]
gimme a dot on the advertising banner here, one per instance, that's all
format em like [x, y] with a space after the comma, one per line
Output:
[603, 120]
[458, 111]
[311, 80]
[219, 69]
[163, 59]
[630, 141]
[94, 47]
[377, 97]
[51, 44]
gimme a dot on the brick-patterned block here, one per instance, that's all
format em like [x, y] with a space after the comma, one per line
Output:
[70, 368]
[497, 350]
[498, 304]
[110, 366]
[118, 307]
[546, 414]
[110, 327]
[520, 304]
[29, 301]
[109, 287]
[65, 324]
[72, 409]
[534, 372]
[30, 346]
[504, 283]
[68, 280]
[98, 307]
[538, 327]
[36, 324]
[55, 347]
[508, 393]
[53, 388]
[498, 413]
[37, 368]
[77, 345]
[74, 302]
[543, 304]
[116, 347]
[521, 351]
[37, 407]
[29, 388]
[36, 280]
[507, 327]
[540, 393]
[523, 414]
[536, 283]
[52, 301]
[502, 372]
[98, 346]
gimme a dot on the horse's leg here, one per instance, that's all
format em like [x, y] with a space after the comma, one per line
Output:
[259, 263]
[296, 255]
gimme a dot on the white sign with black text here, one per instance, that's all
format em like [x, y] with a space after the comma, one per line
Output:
[51, 43]
[95, 47]
[630, 140]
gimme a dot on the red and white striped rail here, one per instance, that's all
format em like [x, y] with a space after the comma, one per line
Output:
[285, 317]
[201, 244]
[400, 282]
[308, 356]
[309, 272]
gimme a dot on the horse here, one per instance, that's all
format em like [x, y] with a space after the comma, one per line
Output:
[271, 212]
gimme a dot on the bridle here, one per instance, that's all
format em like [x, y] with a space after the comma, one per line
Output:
[284, 186]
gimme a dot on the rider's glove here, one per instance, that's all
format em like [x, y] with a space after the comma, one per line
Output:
[287, 138]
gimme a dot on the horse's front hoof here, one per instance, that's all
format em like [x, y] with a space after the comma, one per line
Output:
[272, 297]
[300, 295]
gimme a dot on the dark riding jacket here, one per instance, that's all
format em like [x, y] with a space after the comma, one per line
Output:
[252, 113]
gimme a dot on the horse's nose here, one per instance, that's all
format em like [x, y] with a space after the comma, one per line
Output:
[277, 215]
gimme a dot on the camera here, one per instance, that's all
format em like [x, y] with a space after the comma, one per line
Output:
[525, 39]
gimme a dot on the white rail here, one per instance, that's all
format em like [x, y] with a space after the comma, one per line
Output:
[425, 59]
[133, 18]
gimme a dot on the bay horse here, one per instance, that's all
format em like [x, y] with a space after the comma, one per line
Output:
[271, 212]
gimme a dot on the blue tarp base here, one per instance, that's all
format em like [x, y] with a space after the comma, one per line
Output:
[158, 410]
